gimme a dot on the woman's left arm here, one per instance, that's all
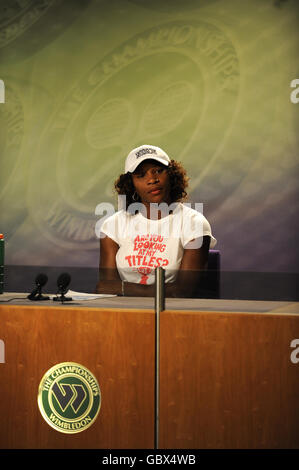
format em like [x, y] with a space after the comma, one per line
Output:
[196, 259]
[191, 272]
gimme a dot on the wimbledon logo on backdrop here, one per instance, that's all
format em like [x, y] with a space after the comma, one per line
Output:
[69, 397]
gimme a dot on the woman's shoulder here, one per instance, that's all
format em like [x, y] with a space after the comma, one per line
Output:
[195, 218]
[186, 210]
[195, 224]
[111, 218]
[113, 224]
[118, 214]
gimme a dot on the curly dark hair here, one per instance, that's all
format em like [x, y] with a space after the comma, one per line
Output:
[178, 183]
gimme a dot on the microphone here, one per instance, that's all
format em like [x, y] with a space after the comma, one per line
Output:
[62, 283]
[40, 280]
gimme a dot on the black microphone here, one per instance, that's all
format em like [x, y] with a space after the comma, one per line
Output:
[62, 283]
[40, 280]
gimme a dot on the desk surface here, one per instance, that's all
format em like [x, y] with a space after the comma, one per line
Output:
[228, 373]
[141, 303]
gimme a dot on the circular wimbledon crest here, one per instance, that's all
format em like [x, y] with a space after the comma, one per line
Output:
[118, 103]
[69, 397]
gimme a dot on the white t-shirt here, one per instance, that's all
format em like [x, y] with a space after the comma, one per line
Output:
[145, 244]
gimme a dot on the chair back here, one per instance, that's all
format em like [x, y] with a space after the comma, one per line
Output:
[212, 278]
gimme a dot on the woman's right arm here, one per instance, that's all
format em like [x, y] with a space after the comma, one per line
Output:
[110, 282]
[108, 250]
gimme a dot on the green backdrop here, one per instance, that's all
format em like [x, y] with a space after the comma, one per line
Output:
[208, 81]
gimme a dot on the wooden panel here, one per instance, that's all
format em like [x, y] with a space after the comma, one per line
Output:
[116, 346]
[226, 378]
[227, 381]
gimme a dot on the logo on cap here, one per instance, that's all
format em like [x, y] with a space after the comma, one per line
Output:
[142, 152]
[69, 397]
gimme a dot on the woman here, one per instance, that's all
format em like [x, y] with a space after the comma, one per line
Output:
[154, 229]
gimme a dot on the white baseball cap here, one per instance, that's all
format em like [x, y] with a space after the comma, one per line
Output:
[145, 152]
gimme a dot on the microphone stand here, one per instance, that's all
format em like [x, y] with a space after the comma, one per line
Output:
[62, 298]
[159, 307]
[37, 295]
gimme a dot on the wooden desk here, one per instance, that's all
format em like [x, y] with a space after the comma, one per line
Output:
[226, 380]
[116, 346]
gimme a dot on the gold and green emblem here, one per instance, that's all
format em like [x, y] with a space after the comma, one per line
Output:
[69, 397]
